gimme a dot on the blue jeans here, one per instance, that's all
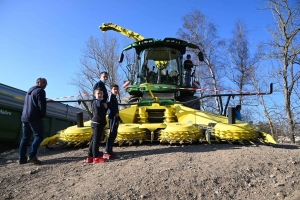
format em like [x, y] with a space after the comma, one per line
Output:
[113, 125]
[37, 128]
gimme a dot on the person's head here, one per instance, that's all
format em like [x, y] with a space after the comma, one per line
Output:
[98, 93]
[104, 77]
[188, 56]
[42, 82]
[238, 107]
[115, 89]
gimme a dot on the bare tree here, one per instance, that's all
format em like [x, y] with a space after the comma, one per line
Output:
[198, 29]
[239, 63]
[97, 56]
[258, 79]
[284, 48]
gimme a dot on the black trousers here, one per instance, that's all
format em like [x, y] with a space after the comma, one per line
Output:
[95, 141]
[113, 125]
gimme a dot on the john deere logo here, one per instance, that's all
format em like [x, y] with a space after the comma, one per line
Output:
[4, 112]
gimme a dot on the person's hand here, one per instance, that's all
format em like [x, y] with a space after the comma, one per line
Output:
[117, 115]
[105, 105]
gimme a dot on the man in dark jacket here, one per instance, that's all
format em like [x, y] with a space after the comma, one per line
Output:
[101, 84]
[188, 65]
[34, 112]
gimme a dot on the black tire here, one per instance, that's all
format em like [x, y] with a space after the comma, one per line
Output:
[194, 104]
[128, 100]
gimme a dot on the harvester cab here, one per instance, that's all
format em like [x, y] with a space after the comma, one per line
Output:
[160, 74]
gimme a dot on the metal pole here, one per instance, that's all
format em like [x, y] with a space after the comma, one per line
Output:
[80, 119]
[67, 113]
[231, 115]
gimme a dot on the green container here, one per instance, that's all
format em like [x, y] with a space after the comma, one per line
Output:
[59, 116]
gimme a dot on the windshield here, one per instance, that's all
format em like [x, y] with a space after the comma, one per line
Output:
[160, 65]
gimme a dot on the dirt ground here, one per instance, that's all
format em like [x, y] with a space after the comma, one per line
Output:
[198, 171]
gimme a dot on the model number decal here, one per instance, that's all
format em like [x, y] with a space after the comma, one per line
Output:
[4, 112]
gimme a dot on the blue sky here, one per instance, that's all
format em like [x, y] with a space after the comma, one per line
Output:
[44, 38]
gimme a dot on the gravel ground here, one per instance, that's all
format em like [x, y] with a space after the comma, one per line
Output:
[154, 171]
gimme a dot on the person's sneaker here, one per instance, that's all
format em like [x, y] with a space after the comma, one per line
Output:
[106, 156]
[99, 160]
[89, 160]
[22, 162]
[109, 156]
[34, 161]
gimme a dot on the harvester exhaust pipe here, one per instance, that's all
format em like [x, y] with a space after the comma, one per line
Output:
[79, 119]
[231, 115]
[271, 88]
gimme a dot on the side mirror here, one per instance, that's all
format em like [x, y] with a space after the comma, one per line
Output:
[121, 57]
[201, 56]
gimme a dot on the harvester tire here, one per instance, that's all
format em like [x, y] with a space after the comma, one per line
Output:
[194, 104]
[128, 100]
